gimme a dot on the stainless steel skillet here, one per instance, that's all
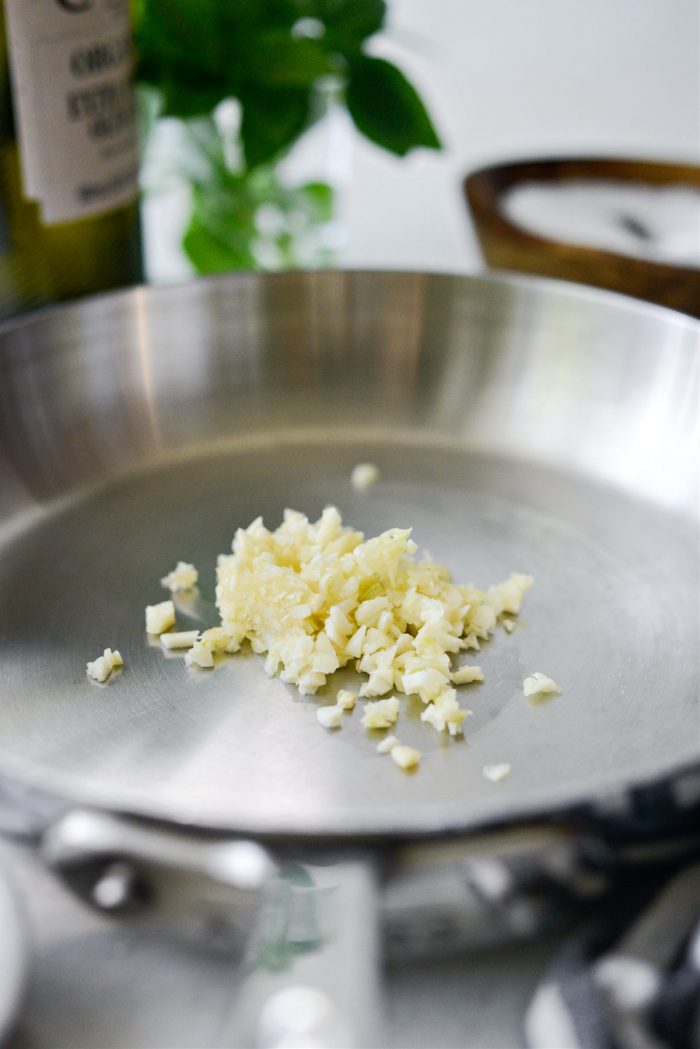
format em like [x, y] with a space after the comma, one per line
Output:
[517, 424]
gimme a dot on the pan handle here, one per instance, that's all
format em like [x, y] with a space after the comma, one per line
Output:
[305, 936]
[210, 891]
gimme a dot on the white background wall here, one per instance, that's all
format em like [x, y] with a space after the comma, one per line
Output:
[518, 78]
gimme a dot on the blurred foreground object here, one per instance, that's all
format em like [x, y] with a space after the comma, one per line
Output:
[626, 225]
[247, 80]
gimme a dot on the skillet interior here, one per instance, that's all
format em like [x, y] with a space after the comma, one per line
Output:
[517, 425]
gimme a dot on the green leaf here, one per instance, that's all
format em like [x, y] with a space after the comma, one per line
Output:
[211, 251]
[179, 39]
[271, 122]
[221, 231]
[186, 99]
[281, 60]
[386, 108]
[319, 199]
[350, 22]
[198, 52]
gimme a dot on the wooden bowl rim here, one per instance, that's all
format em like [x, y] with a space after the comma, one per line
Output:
[486, 186]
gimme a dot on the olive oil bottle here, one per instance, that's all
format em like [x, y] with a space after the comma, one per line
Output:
[69, 223]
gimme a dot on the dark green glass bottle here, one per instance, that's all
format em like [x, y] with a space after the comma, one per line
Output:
[69, 218]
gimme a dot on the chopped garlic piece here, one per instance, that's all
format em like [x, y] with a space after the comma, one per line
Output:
[216, 639]
[330, 717]
[465, 675]
[160, 617]
[364, 476]
[427, 683]
[405, 757]
[508, 625]
[508, 596]
[384, 746]
[540, 685]
[381, 681]
[496, 772]
[183, 577]
[179, 639]
[445, 713]
[381, 714]
[113, 658]
[346, 700]
[200, 655]
[99, 669]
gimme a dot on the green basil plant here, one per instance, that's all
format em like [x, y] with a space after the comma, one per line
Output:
[276, 58]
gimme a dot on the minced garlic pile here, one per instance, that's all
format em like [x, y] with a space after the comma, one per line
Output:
[315, 596]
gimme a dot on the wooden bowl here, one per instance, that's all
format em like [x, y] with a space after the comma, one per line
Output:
[506, 245]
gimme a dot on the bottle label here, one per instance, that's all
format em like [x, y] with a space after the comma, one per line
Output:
[71, 66]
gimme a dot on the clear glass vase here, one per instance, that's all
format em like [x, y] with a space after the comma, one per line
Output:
[203, 212]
